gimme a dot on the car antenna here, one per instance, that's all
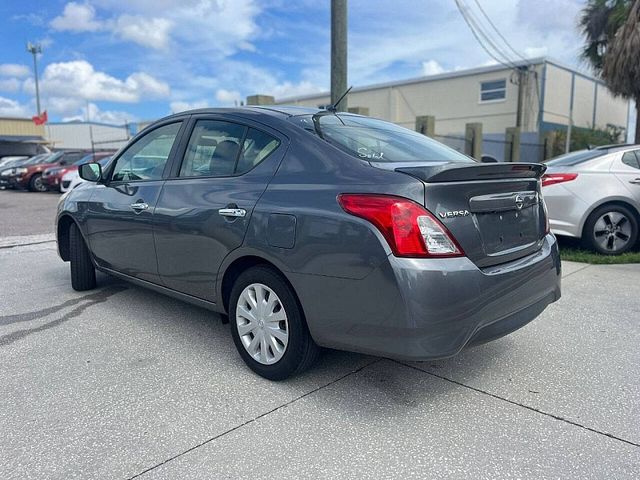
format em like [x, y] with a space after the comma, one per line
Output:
[332, 108]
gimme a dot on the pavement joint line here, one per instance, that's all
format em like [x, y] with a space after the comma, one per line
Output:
[255, 419]
[576, 271]
[25, 244]
[533, 409]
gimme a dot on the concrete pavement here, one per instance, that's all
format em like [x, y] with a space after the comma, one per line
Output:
[122, 382]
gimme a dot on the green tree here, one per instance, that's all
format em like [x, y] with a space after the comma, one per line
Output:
[611, 29]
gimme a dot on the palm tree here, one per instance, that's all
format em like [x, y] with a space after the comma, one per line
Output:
[612, 46]
[621, 69]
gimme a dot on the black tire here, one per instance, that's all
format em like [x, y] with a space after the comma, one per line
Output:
[83, 273]
[36, 185]
[593, 242]
[301, 351]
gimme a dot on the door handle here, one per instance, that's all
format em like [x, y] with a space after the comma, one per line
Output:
[139, 206]
[232, 212]
[635, 181]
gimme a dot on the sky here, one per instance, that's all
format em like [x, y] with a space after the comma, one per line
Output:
[134, 60]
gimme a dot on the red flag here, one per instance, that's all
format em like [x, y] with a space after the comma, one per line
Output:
[40, 119]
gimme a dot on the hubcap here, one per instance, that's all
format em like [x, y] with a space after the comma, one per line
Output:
[262, 323]
[612, 231]
[38, 184]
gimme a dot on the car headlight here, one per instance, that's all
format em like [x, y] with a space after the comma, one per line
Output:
[6, 173]
[21, 171]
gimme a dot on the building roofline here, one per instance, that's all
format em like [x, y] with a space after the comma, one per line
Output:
[446, 76]
[82, 122]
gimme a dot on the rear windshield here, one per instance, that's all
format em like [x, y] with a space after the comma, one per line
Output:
[574, 158]
[378, 141]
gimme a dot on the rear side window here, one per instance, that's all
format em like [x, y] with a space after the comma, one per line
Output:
[575, 158]
[632, 159]
[220, 149]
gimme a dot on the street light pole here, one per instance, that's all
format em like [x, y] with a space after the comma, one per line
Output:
[34, 49]
[338, 53]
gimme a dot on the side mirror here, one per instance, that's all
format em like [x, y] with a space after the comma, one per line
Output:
[488, 159]
[91, 172]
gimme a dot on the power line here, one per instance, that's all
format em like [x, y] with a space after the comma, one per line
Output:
[506, 42]
[482, 38]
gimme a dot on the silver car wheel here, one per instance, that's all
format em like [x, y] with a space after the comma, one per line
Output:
[612, 231]
[262, 323]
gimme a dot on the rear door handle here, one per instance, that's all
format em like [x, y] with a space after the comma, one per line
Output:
[232, 212]
[139, 206]
[635, 182]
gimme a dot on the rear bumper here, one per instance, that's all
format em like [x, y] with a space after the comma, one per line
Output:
[424, 309]
[567, 212]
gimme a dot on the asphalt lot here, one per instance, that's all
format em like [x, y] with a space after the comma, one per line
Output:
[122, 382]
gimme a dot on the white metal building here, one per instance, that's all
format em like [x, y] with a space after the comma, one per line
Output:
[86, 135]
[554, 93]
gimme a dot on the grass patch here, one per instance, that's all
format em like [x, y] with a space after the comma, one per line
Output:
[572, 251]
[586, 256]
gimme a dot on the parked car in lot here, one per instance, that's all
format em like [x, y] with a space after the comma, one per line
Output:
[11, 160]
[52, 176]
[8, 172]
[29, 174]
[311, 229]
[71, 179]
[594, 195]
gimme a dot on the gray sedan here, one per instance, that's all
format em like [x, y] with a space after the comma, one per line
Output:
[595, 195]
[311, 228]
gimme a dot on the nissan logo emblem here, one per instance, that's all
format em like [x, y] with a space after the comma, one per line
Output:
[519, 202]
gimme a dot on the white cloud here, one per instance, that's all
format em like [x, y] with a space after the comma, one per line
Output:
[78, 80]
[148, 32]
[77, 17]
[112, 117]
[9, 84]
[228, 97]
[431, 67]
[14, 70]
[180, 106]
[11, 108]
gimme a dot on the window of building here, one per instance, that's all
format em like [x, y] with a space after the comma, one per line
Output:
[494, 90]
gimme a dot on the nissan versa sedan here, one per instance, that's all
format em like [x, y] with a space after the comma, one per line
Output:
[594, 195]
[309, 228]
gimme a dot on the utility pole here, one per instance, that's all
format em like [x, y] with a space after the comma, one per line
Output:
[523, 76]
[567, 145]
[35, 49]
[339, 53]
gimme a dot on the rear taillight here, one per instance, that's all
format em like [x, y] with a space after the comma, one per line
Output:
[553, 178]
[410, 230]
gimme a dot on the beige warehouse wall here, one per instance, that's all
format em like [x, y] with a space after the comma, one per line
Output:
[453, 101]
[557, 95]
[583, 97]
[610, 110]
[20, 126]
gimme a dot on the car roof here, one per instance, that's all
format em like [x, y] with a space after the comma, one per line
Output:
[281, 111]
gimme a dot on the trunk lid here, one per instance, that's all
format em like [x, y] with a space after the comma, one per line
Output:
[494, 211]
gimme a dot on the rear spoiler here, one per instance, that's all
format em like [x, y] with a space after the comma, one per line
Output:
[455, 172]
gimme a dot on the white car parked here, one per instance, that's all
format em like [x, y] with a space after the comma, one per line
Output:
[595, 195]
[71, 180]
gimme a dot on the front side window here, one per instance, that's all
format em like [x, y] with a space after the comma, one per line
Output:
[493, 90]
[221, 149]
[146, 158]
